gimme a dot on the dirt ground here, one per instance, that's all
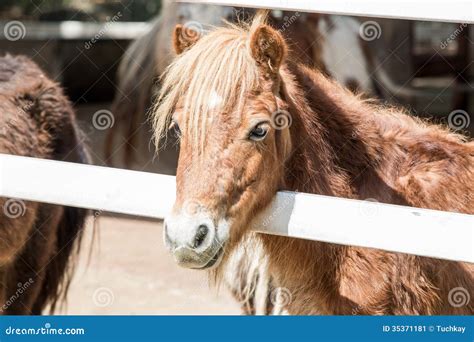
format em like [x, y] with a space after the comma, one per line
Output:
[124, 268]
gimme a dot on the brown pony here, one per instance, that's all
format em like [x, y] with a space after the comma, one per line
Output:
[252, 123]
[37, 241]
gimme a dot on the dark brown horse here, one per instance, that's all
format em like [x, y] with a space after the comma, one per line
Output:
[37, 241]
[252, 122]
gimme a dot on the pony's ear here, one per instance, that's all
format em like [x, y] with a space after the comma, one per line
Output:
[268, 48]
[184, 37]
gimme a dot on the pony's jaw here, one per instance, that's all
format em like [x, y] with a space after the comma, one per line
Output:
[195, 240]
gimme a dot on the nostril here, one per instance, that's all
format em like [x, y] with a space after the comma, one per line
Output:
[201, 234]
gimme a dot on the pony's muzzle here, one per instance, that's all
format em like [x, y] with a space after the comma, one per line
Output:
[192, 240]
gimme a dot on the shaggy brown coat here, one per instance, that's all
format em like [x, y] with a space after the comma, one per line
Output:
[352, 150]
[37, 240]
[337, 144]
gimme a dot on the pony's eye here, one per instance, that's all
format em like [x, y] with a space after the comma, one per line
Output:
[174, 128]
[259, 132]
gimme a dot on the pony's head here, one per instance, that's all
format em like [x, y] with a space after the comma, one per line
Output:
[222, 97]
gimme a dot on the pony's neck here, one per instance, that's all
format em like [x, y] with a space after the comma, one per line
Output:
[327, 155]
[327, 158]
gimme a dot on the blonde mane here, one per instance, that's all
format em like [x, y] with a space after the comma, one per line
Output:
[212, 77]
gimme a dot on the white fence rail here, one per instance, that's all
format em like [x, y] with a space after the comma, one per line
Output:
[459, 11]
[361, 223]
